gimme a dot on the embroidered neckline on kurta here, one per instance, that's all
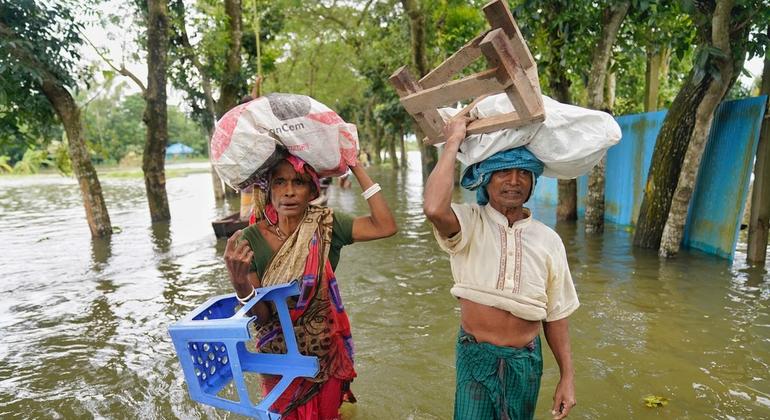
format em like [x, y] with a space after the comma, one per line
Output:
[501, 220]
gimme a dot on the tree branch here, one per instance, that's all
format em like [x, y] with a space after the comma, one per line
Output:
[193, 57]
[122, 70]
[363, 13]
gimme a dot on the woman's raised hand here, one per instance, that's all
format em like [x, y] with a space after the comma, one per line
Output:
[238, 257]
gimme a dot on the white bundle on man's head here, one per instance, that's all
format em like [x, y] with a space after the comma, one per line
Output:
[251, 137]
[569, 142]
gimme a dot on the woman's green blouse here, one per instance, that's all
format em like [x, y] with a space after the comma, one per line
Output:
[342, 234]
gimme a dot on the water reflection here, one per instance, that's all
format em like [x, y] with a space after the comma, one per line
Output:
[160, 232]
[101, 251]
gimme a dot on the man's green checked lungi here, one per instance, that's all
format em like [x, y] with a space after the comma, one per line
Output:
[495, 382]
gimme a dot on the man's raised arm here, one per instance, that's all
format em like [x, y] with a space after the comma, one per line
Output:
[438, 189]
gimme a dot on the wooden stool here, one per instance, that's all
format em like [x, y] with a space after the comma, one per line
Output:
[511, 69]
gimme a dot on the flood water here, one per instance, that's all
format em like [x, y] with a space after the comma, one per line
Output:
[83, 324]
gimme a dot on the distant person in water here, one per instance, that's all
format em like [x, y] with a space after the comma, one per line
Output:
[297, 240]
[345, 181]
[510, 277]
[363, 157]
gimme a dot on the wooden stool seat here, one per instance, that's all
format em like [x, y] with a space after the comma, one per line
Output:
[511, 69]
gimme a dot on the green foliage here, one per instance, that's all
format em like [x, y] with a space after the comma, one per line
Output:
[318, 53]
[48, 31]
[341, 53]
[31, 162]
[114, 128]
[456, 23]
[561, 34]
[207, 26]
[738, 91]
[183, 129]
[4, 166]
[58, 156]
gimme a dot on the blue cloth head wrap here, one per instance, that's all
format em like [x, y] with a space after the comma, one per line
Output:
[477, 176]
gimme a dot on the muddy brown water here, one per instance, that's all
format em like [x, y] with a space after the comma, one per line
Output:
[83, 323]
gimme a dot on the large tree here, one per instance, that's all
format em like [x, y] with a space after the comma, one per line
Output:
[181, 45]
[232, 84]
[611, 19]
[38, 60]
[156, 112]
[722, 34]
[760, 198]
[154, 17]
[213, 71]
[418, 27]
[551, 28]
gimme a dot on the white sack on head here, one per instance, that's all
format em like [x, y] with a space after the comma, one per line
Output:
[249, 138]
[570, 141]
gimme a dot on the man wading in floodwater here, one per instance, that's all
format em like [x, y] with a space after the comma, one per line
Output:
[510, 275]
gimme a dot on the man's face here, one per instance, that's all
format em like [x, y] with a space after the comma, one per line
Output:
[509, 188]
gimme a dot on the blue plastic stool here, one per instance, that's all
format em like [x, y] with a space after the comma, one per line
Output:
[210, 344]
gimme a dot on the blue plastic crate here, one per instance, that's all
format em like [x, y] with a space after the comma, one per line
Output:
[211, 346]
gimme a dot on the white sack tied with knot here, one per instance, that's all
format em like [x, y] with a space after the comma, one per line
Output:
[569, 142]
[252, 136]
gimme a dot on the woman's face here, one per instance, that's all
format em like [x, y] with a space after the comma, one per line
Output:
[290, 192]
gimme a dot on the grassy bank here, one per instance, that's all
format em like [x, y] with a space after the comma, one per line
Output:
[174, 168]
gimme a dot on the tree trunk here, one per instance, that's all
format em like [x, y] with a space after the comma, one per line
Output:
[609, 92]
[558, 86]
[90, 188]
[216, 182]
[68, 112]
[612, 18]
[211, 116]
[652, 78]
[665, 65]
[704, 116]
[378, 143]
[666, 162]
[429, 154]
[155, 112]
[567, 207]
[675, 135]
[402, 147]
[371, 133]
[392, 150]
[231, 83]
[760, 197]
[231, 79]
[594, 216]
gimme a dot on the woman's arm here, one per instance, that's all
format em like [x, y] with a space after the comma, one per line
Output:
[441, 182]
[238, 256]
[557, 335]
[380, 222]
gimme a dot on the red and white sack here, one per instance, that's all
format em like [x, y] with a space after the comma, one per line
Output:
[251, 137]
[569, 142]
